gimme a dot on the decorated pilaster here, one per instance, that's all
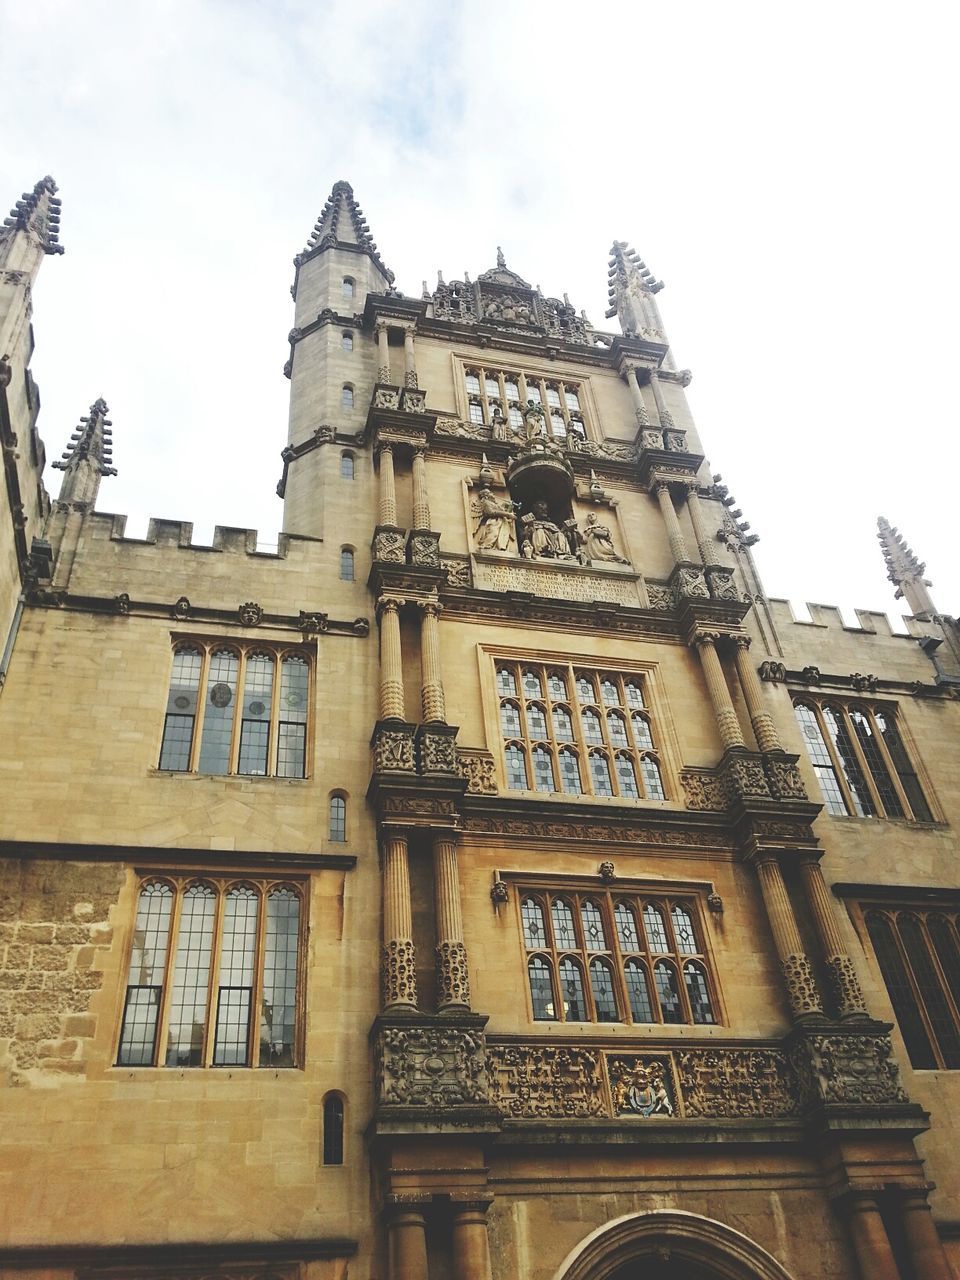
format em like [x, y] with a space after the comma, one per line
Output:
[731, 734]
[847, 993]
[797, 970]
[678, 545]
[431, 679]
[399, 968]
[409, 359]
[391, 660]
[383, 352]
[453, 980]
[421, 503]
[760, 718]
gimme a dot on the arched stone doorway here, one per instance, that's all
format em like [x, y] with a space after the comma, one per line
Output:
[671, 1245]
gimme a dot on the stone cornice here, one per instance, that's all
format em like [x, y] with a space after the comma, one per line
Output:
[156, 857]
[857, 685]
[322, 435]
[193, 1258]
[523, 608]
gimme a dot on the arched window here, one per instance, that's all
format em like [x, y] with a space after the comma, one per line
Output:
[543, 769]
[593, 934]
[510, 719]
[333, 1129]
[536, 721]
[564, 936]
[148, 963]
[516, 767]
[626, 778]
[592, 731]
[346, 564]
[346, 341]
[534, 925]
[585, 689]
[600, 774]
[292, 725]
[627, 935]
[541, 989]
[609, 693]
[683, 930]
[281, 963]
[255, 717]
[655, 928]
[347, 466]
[571, 986]
[531, 685]
[697, 992]
[634, 695]
[346, 287]
[191, 978]
[181, 714]
[604, 994]
[557, 686]
[617, 728]
[338, 819]
[562, 725]
[641, 732]
[241, 910]
[506, 682]
[840, 739]
[570, 773]
[220, 705]
[665, 977]
[652, 782]
[638, 991]
[346, 396]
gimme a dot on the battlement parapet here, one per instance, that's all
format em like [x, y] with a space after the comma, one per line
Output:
[105, 526]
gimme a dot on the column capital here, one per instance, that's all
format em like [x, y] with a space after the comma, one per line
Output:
[383, 446]
[430, 608]
[701, 638]
[381, 326]
[743, 642]
[390, 604]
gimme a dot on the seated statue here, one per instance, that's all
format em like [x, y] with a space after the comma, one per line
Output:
[544, 539]
[596, 541]
[495, 532]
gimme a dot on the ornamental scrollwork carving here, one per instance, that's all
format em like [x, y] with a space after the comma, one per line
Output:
[785, 779]
[425, 550]
[438, 752]
[457, 572]
[856, 1069]
[398, 973]
[386, 398]
[453, 978]
[431, 1067]
[479, 771]
[801, 985]
[845, 985]
[659, 597]
[722, 584]
[717, 1083]
[690, 584]
[388, 547]
[745, 777]
[393, 751]
[540, 1081]
[704, 790]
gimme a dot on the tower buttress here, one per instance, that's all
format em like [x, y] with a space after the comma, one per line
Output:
[87, 458]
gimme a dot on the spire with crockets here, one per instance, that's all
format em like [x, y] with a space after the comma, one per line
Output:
[87, 458]
[37, 212]
[631, 286]
[905, 571]
[342, 225]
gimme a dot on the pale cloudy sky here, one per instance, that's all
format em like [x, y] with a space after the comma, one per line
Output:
[789, 171]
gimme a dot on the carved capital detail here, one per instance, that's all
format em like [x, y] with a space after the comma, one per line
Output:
[438, 751]
[389, 546]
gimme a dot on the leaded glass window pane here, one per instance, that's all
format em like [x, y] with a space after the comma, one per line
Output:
[600, 776]
[683, 931]
[594, 936]
[652, 782]
[255, 717]
[346, 341]
[346, 398]
[505, 681]
[558, 428]
[901, 993]
[641, 732]
[617, 729]
[638, 991]
[839, 736]
[604, 996]
[536, 721]
[346, 466]
[905, 770]
[531, 685]
[476, 412]
[626, 778]
[944, 939]
[570, 781]
[515, 417]
[626, 923]
[585, 690]
[510, 719]
[564, 934]
[181, 709]
[533, 392]
[668, 993]
[346, 564]
[191, 977]
[698, 993]
[931, 990]
[634, 695]
[553, 397]
[571, 984]
[472, 384]
[557, 686]
[278, 1013]
[562, 725]
[572, 399]
[543, 769]
[221, 702]
[492, 388]
[876, 764]
[534, 925]
[148, 961]
[292, 726]
[338, 819]
[333, 1130]
[541, 990]
[591, 727]
[513, 389]
[235, 991]
[655, 928]
[820, 759]
[516, 768]
[609, 693]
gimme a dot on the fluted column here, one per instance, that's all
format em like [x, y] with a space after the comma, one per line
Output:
[407, 1243]
[399, 971]
[795, 964]
[409, 363]
[383, 353]
[431, 682]
[699, 528]
[763, 727]
[633, 382]
[421, 502]
[923, 1240]
[471, 1246]
[674, 533]
[870, 1240]
[453, 979]
[388, 488]
[839, 965]
[727, 722]
[391, 662]
[663, 413]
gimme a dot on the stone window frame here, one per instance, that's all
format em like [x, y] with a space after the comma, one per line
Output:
[583, 748]
[920, 971]
[242, 650]
[855, 783]
[221, 885]
[636, 893]
[477, 406]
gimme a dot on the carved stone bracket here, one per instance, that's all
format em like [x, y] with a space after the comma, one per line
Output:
[704, 789]
[743, 775]
[784, 777]
[689, 583]
[413, 400]
[437, 1064]
[479, 769]
[385, 397]
[393, 747]
[456, 571]
[722, 584]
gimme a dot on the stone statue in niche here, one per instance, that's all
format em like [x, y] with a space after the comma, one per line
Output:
[496, 530]
[533, 421]
[542, 539]
[597, 542]
[508, 310]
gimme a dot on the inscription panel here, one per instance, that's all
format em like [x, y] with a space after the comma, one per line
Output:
[557, 584]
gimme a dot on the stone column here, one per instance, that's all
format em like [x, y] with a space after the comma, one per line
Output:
[421, 503]
[923, 1240]
[663, 413]
[431, 683]
[870, 1241]
[794, 963]
[391, 661]
[727, 722]
[843, 974]
[383, 352]
[388, 488]
[471, 1247]
[399, 966]
[633, 382]
[699, 528]
[763, 727]
[409, 363]
[407, 1243]
[674, 533]
[453, 979]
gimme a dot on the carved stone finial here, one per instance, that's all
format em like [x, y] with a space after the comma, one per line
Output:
[341, 221]
[904, 570]
[501, 260]
[88, 457]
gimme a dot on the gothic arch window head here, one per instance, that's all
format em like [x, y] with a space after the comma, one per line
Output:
[347, 465]
[346, 396]
[333, 1129]
[338, 817]
[346, 564]
[346, 287]
[346, 341]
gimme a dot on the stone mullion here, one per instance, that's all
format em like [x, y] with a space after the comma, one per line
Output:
[471, 1245]
[453, 979]
[421, 502]
[763, 727]
[678, 546]
[870, 1240]
[391, 662]
[923, 1240]
[213, 978]
[387, 515]
[731, 734]
[383, 352]
[794, 963]
[399, 975]
[166, 995]
[409, 360]
[839, 965]
[431, 680]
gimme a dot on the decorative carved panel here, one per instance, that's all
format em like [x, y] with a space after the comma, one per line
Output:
[557, 584]
[431, 1066]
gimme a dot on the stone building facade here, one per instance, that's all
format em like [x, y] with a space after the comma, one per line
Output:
[491, 882]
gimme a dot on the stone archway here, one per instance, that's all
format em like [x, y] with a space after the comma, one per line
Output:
[670, 1245]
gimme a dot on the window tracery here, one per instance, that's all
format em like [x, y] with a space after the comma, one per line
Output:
[493, 394]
